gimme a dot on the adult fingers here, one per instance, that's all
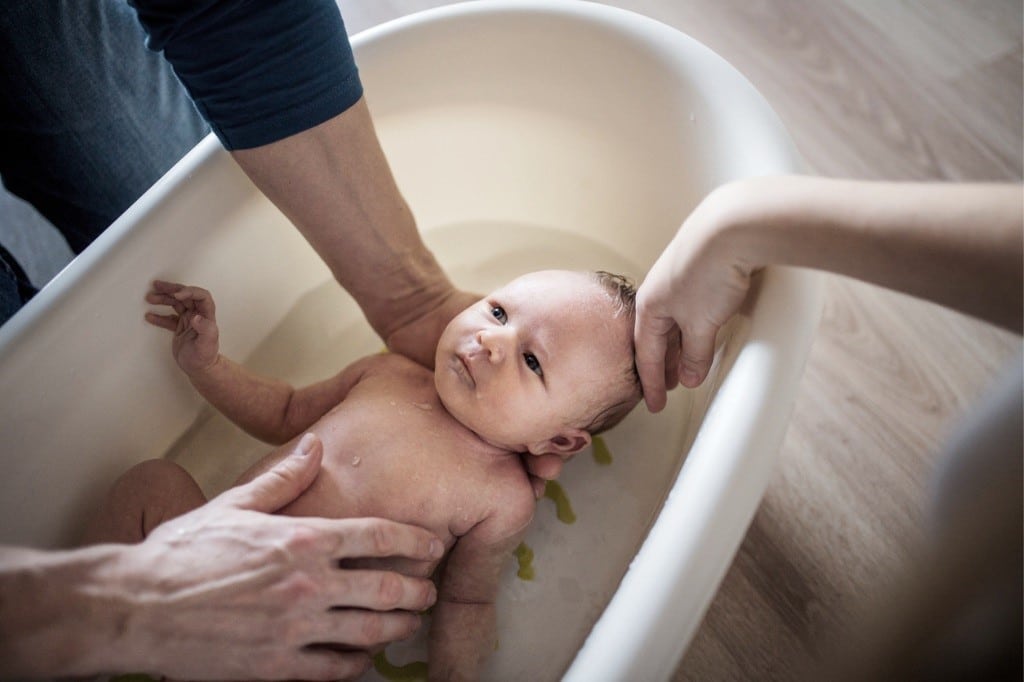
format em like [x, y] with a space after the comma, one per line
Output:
[651, 342]
[378, 590]
[546, 467]
[538, 484]
[281, 484]
[361, 538]
[323, 662]
[698, 350]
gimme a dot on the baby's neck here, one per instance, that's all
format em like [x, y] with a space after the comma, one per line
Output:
[477, 443]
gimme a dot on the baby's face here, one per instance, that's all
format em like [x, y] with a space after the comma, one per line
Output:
[533, 358]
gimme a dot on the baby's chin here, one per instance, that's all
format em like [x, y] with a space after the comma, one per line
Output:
[479, 424]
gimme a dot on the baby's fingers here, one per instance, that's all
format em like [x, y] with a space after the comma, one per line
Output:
[169, 322]
[203, 325]
[161, 287]
[154, 298]
[198, 298]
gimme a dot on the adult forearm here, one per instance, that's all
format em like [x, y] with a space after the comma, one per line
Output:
[957, 245]
[333, 182]
[56, 617]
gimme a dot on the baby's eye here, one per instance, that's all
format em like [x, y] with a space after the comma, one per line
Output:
[533, 364]
[499, 314]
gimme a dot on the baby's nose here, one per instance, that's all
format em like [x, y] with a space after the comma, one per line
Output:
[495, 342]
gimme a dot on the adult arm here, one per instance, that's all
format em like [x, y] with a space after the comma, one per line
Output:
[224, 592]
[334, 183]
[958, 245]
[279, 86]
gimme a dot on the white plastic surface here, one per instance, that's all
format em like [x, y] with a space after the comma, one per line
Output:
[523, 135]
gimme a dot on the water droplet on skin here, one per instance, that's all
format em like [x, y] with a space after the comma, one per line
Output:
[356, 460]
[423, 406]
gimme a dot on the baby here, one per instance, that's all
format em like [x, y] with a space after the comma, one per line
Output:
[535, 368]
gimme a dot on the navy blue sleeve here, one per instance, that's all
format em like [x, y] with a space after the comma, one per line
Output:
[258, 70]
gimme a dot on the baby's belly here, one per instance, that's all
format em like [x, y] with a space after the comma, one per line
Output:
[328, 498]
[371, 469]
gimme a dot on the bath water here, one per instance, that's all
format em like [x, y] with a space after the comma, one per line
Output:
[541, 622]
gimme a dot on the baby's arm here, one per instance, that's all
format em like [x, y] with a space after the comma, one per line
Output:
[463, 625]
[268, 409]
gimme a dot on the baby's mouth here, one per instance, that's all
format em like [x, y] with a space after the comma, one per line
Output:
[462, 368]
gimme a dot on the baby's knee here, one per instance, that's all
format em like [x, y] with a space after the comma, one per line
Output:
[160, 487]
[141, 499]
[152, 478]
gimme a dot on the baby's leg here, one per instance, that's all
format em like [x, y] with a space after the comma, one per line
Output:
[141, 499]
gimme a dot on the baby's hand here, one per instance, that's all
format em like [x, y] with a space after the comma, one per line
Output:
[194, 324]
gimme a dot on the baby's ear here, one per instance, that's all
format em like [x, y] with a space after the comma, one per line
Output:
[567, 442]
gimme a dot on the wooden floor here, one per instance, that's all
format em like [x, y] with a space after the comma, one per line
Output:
[902, 90]
[891, 89]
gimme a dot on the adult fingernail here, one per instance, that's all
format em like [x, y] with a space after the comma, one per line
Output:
[690, 377]
[306, 444]
[436, 549]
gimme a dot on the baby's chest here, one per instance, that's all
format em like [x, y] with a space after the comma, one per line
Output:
[393, 456]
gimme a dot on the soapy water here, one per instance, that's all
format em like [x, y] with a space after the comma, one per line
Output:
[541, 622]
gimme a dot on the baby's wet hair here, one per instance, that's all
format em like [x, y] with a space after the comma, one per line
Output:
[623, 291]
[621, 287]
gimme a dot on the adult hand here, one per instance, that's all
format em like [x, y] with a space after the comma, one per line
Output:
[694, 287]
[417, 339]
[541, 469]
[228, 592]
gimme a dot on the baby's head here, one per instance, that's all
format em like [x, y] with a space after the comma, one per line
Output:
[542, 363]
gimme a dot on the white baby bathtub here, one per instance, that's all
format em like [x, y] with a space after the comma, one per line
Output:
[524, 135]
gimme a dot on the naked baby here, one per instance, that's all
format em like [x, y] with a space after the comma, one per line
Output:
[533, 369]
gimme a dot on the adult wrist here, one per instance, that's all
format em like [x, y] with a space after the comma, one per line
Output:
[62, 613]
[763, 220]
[730, 223]
[428, 292]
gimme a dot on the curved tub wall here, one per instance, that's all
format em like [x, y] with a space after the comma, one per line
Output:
[84, 394]
[633, 112]
[573, 133]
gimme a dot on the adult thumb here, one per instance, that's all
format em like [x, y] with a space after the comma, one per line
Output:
[282, 483]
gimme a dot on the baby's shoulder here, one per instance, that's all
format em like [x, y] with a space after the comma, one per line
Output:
[511, 500]
[394, 364]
